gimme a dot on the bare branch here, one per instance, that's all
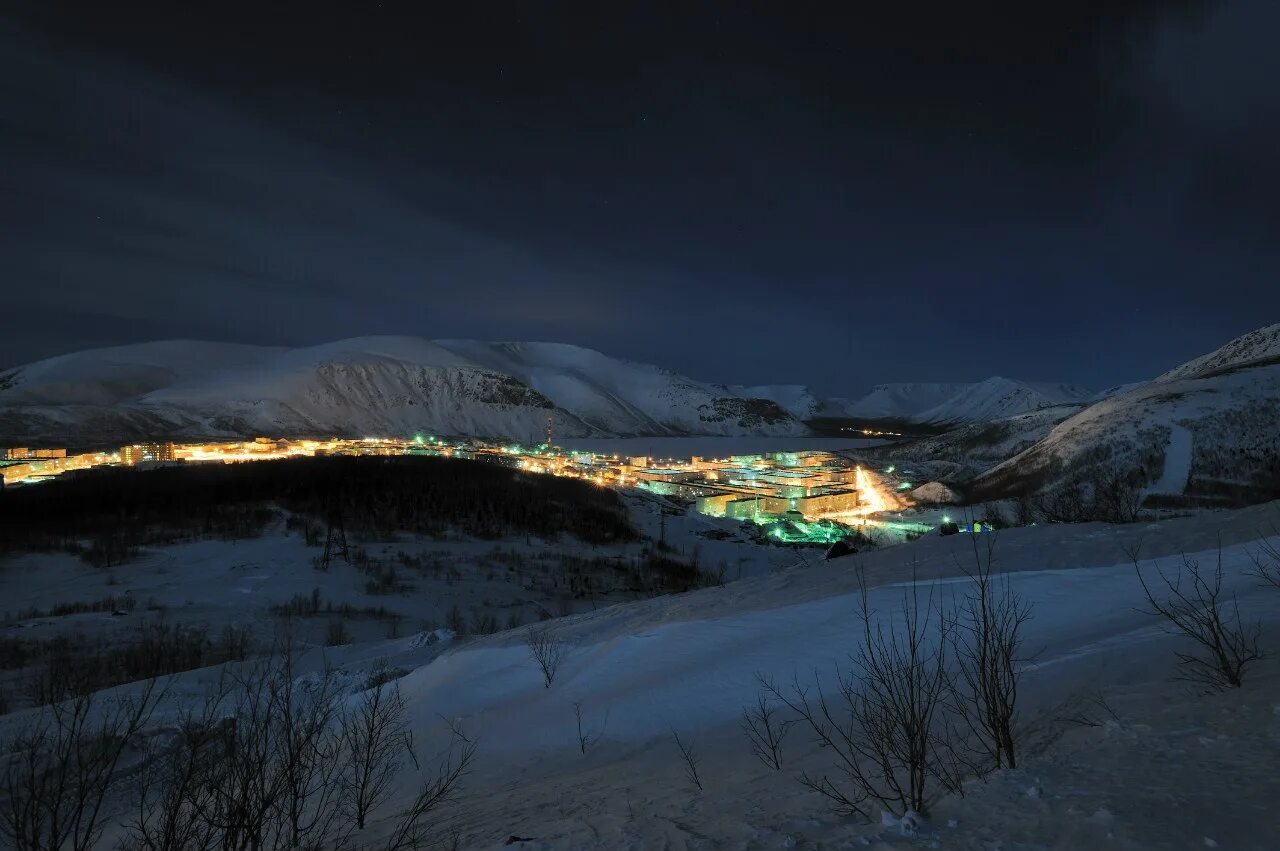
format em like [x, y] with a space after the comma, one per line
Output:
[691, 760]
[547, 650]
[1192, 601]
[763, 727]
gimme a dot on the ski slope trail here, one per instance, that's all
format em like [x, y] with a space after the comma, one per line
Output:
[1177, 462]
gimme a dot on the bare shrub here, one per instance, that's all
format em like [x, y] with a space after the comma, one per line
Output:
[1266, 560]
[1024, 509]
[412, 829]
[1191, 600]
[587, 739]
[547, 650]
[764, 727]
[272, 762]
[690, 759]
[375, 741]
[337, 634]
[61, 769]
[884, 725]
[1109, 493]
[1065, 504]
[1116, 494]
[986, 642]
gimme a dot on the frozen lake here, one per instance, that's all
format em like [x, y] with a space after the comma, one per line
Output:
[683, 447]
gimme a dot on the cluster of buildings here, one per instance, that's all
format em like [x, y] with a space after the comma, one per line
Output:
[19, 465]
[805, 495]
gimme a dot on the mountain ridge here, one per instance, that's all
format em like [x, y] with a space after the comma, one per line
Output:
[362, 385]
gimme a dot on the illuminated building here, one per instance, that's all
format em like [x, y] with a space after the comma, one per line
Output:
[140, 452]
[22, 453]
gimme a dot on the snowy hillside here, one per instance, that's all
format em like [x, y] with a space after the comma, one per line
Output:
[624, 397]
[901, 401]
[370, 385]
[796, 399]
[1107, 735]
[974, 447]
[1206, 430]
[955, 403]
[1256, 348]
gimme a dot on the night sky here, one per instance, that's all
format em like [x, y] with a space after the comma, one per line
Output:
[743, 193]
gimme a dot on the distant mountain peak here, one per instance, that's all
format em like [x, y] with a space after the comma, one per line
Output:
[945, 403]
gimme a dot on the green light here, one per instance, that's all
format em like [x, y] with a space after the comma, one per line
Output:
[904, 486]
[417, 438]
[946, 519]
[891, 468]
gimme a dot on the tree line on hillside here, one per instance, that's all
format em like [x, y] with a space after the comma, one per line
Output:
[106, 515]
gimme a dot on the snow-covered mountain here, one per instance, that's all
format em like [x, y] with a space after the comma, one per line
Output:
[368, 385]
[951, 403]
[972, 448]
[1205, 429]
[901, 401]
[1257, 348]
[796, 399]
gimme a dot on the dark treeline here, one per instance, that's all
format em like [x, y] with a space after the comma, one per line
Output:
[72, 666]
[107, 514]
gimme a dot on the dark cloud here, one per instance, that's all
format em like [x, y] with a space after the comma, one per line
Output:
[1063, 191]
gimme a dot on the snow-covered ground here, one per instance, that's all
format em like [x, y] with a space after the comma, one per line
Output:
[216, 583]
[1119, 755]
[1169, 769]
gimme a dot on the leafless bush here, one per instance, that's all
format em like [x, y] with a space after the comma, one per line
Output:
[547, 650]
[271, 761]
[1024, 509]
[1117, 495]
[690, 758]
[1110, 494]
[337, 634]
[412, 826]
[375, 741]
[1192, 601]
[884, 726]
[1087, 710]
[1266, 560]
[764, 727]
[1065, 504]
[586, 739]
[986, 643]
[61, 769]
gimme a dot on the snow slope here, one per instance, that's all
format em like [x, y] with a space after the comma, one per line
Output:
[690, 664]
[124, 373]
[956, 403]
[1115, 753]
[366, 385]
